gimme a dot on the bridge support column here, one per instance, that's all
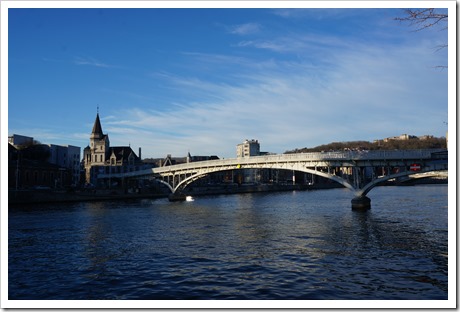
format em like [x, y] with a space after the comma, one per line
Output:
[361, 203]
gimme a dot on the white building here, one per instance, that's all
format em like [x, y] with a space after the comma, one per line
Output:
[248, 148]
[66, 156]
[17, 140]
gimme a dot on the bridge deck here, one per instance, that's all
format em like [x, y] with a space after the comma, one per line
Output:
[348, 158]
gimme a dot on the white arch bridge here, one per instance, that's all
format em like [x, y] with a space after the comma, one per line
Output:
[359, 171]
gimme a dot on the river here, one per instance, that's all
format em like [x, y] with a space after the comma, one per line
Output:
[288, 245]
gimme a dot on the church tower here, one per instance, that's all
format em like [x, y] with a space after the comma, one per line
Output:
[99, 143]
[96, 153]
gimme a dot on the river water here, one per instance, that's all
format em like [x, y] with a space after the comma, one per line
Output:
[287, 245]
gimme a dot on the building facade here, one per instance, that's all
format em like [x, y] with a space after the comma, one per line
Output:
[66, 156]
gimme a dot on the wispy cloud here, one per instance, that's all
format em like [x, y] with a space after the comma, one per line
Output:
[316, 13]
[90, 62]
[52, 60]
[292, 104]
[300, 44]
[292, 13]
[265, 44]
[244, 29]
[217, 58]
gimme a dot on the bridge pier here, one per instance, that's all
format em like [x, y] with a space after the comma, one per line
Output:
[361, 203]
[177, 197]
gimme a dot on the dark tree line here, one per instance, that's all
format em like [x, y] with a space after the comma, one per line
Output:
[34, 151]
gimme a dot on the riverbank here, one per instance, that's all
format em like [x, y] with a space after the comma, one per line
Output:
[21, 197]
[24, 197]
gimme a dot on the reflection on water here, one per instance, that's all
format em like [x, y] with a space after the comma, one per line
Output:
[294, 245]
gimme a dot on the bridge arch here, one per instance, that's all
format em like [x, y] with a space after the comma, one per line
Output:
[184, 183]
[321, 174]
[167, 184]
[358, 192]
[368, 187]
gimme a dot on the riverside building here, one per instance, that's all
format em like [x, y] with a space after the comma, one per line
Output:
[42, 165]
[100, 157]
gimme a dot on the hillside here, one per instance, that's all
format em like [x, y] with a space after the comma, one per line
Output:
[391, 144]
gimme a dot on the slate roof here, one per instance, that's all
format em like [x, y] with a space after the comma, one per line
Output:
[97, 128]
[122, 153]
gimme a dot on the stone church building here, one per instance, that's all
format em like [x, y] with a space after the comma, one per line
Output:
[100, 157]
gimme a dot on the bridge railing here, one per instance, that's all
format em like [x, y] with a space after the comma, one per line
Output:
[348, 155]
[395, 154]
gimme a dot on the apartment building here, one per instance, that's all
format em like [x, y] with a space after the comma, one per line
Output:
[248, 148]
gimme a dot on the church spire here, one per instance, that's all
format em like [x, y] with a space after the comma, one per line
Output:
[97, 128]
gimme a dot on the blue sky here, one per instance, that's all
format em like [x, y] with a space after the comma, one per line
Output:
[174, 81]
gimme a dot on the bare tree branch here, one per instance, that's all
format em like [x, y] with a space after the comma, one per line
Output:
[424, 18]
[441, 67]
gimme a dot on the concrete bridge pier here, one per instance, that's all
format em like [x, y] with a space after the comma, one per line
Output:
[177, 197]
[361, 203]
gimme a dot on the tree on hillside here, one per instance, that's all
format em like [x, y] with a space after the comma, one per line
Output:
[391, 144]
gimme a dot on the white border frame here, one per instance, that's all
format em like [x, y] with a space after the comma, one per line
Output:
[264, 304]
